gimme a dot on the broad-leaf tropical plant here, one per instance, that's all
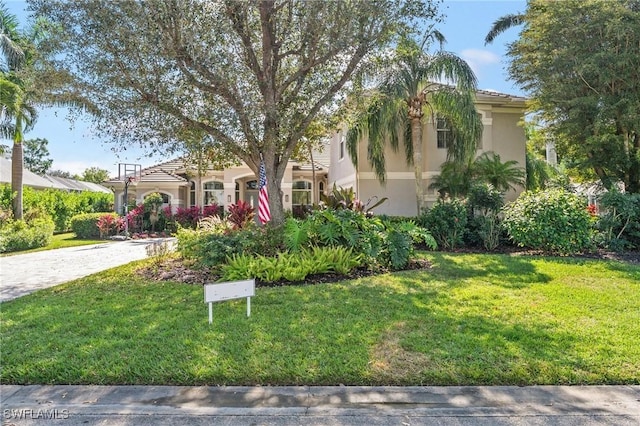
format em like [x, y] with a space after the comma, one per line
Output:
[411, 89]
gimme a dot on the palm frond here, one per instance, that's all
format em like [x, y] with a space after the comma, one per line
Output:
[502, 24]
[458, 109]
[451, 68]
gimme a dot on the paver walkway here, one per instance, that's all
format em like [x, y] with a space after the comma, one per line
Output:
[22, 274]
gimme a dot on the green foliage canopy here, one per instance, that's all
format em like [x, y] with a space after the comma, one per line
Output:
[579, 61]
[252, 75]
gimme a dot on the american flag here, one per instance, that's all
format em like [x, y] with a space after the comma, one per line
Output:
[264, 213]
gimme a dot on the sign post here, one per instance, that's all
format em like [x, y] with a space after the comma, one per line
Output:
[227, 291]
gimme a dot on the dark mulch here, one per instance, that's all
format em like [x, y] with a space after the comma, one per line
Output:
[175, 269]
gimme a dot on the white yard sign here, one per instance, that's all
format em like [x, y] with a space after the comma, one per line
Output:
[227, 291]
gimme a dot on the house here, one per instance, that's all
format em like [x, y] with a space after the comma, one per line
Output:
[180, 186]
[501, 114]
[47, 182]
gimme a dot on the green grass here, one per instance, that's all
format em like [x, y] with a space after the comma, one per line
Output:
[67, 239]
[470, 320]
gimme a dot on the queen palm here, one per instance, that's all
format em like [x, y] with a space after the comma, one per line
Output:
[11, 52]
[17, 115]
[408, 91]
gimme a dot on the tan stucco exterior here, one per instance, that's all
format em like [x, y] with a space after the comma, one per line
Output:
[182, 189]
[502, 134]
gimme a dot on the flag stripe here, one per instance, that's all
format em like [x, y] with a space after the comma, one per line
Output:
[264, 213]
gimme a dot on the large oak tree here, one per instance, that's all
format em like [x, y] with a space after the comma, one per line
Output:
[580, 62]
[252, 74]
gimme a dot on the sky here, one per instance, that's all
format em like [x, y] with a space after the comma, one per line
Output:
[74, 148]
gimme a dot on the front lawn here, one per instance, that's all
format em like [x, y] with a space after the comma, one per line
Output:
[470, 320]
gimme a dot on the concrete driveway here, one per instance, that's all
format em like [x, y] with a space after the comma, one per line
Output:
[25, 273]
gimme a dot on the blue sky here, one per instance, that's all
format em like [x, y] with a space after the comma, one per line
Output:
[73, 147]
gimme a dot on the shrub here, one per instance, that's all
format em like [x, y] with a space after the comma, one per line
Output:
[20, 235]
[241, 214]
[619, 222]
[484, 224]
[382, 243]
[85, 225]
[446, 221]
[555, 220]
[59, 205]
[187, 217]
[212, 210]
[211, 244]
[109, 224]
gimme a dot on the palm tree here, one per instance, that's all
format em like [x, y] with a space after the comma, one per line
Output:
[12, 53]
[17, 115]
[502, 24]
[16, 118]
[501, 175]
[398, 105]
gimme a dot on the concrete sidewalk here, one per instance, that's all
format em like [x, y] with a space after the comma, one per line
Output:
[305, 405]
[25, 273]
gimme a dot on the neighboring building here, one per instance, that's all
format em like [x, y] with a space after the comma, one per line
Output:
[502, 135]
[48, 182]
[180, 186]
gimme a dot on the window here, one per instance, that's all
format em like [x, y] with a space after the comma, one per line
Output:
[342, 141]
[320, 190]
[444, 133]
[165, 197]
[213, 193]
[301, 193]
[192, 195]
[252, 185]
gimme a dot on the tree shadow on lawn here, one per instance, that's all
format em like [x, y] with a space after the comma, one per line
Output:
[401, 329]
[498, 269]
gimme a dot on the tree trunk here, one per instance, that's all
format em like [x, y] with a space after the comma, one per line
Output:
[16, 178]
[416, 141]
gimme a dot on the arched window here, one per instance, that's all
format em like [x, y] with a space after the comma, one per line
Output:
[301, 193]
[213, 193]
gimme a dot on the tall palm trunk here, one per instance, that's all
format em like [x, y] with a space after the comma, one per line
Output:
[416, 142]
[17, 158]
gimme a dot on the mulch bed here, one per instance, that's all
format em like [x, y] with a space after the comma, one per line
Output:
[176, 269]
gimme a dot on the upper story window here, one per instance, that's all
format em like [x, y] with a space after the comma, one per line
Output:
[213, 193]
[444, 133]
[342, 143]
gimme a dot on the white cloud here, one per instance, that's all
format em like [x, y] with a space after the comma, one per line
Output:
[478, 59]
